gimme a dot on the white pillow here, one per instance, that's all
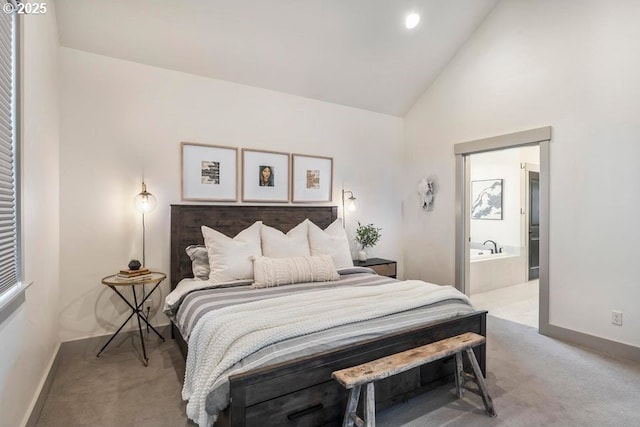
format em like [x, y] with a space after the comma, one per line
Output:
[269, 272]
[230, 259]
[276, 244]
[332, 241]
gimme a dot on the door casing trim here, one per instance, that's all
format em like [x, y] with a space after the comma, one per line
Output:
[539, 136]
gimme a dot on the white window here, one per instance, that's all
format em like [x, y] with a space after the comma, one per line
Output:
[9, 215]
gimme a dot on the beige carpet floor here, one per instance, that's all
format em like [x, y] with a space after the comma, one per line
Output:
[534, 381]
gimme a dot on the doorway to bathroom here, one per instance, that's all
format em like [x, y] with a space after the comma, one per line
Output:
[502, 234]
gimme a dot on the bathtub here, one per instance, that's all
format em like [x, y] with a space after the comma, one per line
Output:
[489, 271]
[485, 254]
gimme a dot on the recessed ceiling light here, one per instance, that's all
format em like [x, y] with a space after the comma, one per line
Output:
[412, 20]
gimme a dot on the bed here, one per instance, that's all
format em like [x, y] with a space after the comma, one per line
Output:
[299, 390]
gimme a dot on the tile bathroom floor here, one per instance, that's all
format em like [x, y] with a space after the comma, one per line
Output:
[516, 303]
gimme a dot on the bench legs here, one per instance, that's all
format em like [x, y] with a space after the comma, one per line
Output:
[366, 374]
[352, 406]
[461, 376]
[370, 407]
[350, 416]
[486, 399]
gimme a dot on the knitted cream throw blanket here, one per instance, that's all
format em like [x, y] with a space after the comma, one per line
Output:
[223, 337]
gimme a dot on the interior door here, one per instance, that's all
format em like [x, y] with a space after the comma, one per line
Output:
[534, 225]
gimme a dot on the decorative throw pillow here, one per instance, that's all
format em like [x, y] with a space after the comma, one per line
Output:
[269, 272]
[332, 241]
[230, 259]
[199, 261]
[276, 244]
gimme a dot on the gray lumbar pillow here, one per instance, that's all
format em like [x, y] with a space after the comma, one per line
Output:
[199, 261]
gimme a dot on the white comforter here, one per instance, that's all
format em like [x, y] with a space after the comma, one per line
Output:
[223, 337]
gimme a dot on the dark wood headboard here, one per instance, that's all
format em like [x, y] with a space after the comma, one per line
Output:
[186, 221]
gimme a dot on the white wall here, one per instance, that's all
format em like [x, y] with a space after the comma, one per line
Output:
[505, 165]
[119, 118]
[572, 65]
[29, 335]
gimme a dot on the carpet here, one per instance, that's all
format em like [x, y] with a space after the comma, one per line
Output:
[533, 380]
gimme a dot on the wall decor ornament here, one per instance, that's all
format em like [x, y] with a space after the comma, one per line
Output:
[312, 178]
[486, 199]
[265, 176]
[426, 190]
[209, 172]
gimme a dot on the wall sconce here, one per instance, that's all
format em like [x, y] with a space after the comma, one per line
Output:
[351, 201]
[144, 202]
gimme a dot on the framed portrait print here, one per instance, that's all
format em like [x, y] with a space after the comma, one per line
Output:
[209, 172]
[312, 178]
[486, 199]
[265, 176]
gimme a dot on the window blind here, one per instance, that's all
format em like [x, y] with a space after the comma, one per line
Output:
[9, 261]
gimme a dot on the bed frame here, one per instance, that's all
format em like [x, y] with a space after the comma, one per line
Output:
[301, 392]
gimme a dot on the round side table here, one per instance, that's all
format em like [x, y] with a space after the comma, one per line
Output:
[114, 282]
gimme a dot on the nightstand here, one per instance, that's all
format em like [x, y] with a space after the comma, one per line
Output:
[136, 308]
[384, 267]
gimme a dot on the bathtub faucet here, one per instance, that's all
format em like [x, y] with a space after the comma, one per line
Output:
[495, 250]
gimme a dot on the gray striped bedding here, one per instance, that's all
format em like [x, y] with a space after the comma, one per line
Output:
[196, 303]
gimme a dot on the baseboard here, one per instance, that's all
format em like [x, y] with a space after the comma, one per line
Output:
[601, 345]
[45, 386]
[89, 345]
[92, 345]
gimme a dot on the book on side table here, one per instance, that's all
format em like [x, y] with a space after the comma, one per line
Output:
[133, 275]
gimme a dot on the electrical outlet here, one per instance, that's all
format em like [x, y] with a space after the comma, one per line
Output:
[147, 306]
[616, 317]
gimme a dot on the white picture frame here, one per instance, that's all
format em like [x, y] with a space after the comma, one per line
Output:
[209, 172]
[265, 176]
[312, 179]
[486, 199]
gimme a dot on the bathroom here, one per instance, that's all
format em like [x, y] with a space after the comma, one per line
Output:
[503, 254]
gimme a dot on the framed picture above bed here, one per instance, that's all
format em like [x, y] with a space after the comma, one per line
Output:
[209, 172]
[312, 178]
[265, 176]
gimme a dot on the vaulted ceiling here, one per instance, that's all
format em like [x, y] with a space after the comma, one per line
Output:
[351, 52]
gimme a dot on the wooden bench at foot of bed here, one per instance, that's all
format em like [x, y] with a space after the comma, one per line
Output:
[367, 374]
[302, 392]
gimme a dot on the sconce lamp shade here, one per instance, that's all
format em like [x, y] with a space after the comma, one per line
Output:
[347, 202]
[351, 197]
[351, 204]
[145, 202]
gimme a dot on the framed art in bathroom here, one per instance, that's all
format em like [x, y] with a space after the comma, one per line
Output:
[486, 199]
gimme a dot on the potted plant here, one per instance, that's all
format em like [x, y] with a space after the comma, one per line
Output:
[367, 236]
